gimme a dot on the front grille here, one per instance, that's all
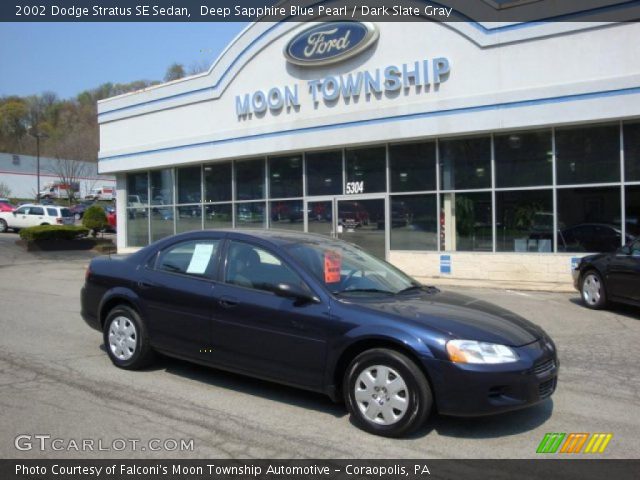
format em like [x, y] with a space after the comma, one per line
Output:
[545, 389]
[544, 366]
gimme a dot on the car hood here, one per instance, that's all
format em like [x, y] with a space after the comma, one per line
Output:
[457, 316]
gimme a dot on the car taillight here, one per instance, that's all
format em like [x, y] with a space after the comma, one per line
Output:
[59, 220]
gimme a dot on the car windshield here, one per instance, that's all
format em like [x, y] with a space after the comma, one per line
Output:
[345, 269]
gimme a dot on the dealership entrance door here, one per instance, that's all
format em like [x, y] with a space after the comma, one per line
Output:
[356, 219]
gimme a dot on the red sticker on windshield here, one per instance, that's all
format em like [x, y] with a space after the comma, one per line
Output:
[332, 264]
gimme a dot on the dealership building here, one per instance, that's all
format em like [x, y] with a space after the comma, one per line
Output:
[462, 150]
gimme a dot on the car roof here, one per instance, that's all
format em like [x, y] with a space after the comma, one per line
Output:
[274, 236]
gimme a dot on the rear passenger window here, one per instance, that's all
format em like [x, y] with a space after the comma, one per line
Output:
[52, 212]
[195, 257]
[36, 211]
[252, 267]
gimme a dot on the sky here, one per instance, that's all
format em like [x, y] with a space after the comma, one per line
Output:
[67, 58]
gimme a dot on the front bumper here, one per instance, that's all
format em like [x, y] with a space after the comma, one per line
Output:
[474, 390]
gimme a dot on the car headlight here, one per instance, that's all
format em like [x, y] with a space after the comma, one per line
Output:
[470, 351]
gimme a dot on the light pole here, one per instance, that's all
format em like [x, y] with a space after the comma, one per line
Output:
[36, 133]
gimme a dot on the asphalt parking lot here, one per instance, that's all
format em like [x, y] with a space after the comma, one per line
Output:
[55, 379]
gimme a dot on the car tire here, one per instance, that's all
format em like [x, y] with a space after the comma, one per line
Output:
[399, 388]
[126, 339]
[592, 290]
[3, 226]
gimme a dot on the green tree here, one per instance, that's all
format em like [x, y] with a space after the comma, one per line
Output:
[94, 219]
[174, 72]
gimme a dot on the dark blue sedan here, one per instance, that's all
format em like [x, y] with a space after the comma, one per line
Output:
[319, 314]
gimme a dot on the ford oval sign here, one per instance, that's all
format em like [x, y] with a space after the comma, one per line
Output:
[330, 42]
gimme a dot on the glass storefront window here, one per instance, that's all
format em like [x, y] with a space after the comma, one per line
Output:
[189, 217]
[412, 167]
[523, 159]
[414, 222]
[137, 189]
[632, 199]
[524, 221]
[250, 215]
[189, 184]
[589, 219]
[324, 173]
[466, 222]
[161, 222]
[250, 179]
[285, 177]
[465, 163]
[218, 216]
[137, 227]
[217, 182]
[366, 169]
[161, 187]
[287, 215]
[631, 133]
[588, 154]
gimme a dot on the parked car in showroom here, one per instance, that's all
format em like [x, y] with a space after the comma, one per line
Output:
[591, 237]
[609, 277]
[319, 314]
[30, 215]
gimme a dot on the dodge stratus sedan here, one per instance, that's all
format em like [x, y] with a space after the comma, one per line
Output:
[319, 314]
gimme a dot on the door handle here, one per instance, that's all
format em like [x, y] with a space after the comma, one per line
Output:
[227, 302]
[146, 284]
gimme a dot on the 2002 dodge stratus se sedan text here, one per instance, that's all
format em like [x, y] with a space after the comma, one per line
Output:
[319, 314]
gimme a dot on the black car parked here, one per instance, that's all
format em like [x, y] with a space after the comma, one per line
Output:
[319, 314]
[610, 277]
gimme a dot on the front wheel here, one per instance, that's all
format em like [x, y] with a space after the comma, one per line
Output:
[3, 226]
[386, 393]
[592, 290]
[126, 339]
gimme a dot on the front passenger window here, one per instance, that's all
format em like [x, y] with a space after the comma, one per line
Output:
[253, 267]
[195, 257]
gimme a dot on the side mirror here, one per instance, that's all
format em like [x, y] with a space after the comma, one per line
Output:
[14, 213]
[295, 292]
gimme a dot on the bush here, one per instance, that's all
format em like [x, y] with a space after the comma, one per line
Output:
[53, 232]
[95, 219]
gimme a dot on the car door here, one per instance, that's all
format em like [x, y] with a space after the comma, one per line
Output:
[624, 273]
[35, 217]
[176, 288]
[258, 332]
[19, 220]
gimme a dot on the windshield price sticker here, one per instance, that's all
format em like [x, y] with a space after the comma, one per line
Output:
[332, 265]
[355, 187]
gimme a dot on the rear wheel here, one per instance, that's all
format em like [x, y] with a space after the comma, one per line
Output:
[386, 393]
[126, 339]
[593, 291]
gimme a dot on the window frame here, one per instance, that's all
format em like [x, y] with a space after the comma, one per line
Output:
[223, 266]
[154, 261]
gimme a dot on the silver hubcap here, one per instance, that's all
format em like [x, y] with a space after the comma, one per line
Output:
[381, 395]
[591, 289]
[122, 338]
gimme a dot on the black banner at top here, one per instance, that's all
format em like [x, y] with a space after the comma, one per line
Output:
[308, 10]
